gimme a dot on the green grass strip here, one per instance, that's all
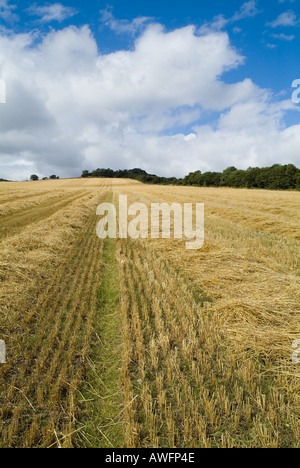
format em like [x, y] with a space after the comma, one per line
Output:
[102, 398]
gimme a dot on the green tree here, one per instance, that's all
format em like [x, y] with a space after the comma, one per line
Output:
[224, 180]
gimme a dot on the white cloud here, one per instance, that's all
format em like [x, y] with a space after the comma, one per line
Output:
[70, 108]
[53, 12]
[123, 26]
[247, 10]
[283, 37]
[288, 18]
[7, 11]
[271, 46]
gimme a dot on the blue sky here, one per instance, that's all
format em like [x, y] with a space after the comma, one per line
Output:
[254, 48]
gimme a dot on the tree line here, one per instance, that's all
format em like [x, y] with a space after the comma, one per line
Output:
[34, 177]
[276, 177]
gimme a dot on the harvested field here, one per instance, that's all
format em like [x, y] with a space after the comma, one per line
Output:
[141, 343]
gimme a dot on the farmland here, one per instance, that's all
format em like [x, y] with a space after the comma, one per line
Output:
[141, 343]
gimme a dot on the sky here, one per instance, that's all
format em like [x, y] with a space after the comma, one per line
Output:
[167, 86]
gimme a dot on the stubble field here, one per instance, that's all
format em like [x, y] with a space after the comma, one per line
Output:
[141, 343]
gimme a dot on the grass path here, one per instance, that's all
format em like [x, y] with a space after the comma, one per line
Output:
[102, 398]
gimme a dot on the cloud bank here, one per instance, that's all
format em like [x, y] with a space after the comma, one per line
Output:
[164, 106]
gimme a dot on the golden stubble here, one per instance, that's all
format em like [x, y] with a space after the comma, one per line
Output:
[207, 334]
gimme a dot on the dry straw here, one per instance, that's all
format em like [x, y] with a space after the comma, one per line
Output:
[207, 335]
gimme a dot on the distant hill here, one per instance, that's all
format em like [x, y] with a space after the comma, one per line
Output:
[276, 177]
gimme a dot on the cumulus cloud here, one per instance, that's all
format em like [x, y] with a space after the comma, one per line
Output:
[51, 12]
[163, 106]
